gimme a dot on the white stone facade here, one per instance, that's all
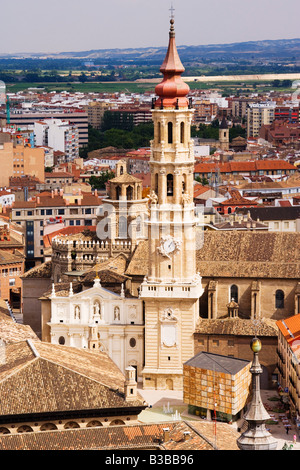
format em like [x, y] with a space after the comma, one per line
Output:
[98, 318]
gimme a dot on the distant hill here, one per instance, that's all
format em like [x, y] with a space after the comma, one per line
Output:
[282, 49]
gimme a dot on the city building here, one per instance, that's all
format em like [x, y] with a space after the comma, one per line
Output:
[277, 218]
[20, 160]
[249, 168]
[95, 111]
[259, 114]
[58, 134]
[280, 133]
[41, 215]
[77, 117]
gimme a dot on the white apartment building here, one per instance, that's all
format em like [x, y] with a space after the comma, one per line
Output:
[59, 135]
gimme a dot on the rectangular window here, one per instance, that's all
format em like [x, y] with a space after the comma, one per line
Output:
[48, 211]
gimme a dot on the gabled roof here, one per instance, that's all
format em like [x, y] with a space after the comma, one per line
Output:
[59, 379]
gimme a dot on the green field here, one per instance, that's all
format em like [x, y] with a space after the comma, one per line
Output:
[96, 87]
[226, 88]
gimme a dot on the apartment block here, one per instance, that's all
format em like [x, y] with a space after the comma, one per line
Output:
[51, 211]
[76, 117]
[59, 135]
[95, 111]
[259, 114]
[20, 160]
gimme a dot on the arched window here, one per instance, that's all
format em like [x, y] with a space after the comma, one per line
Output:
[169, 184]
[61, 340]
[279, 299]
[158, 133]
[229, 210]
[170, 133]
[234, 293]
[129, 193]
[121, 170]
[156, 183]
[138, 224]
[122, 227]
[182, 132]
[183, 183]
[118, 192]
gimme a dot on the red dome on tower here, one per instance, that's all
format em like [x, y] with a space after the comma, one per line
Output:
[172, 90]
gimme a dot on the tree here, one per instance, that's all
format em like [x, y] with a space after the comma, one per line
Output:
[98, 182]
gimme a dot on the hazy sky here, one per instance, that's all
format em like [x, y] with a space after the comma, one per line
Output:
[77, 25]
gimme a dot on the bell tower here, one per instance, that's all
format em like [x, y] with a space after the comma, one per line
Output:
[172, 288]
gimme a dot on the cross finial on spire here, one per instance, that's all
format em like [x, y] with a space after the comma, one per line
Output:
[172, 9]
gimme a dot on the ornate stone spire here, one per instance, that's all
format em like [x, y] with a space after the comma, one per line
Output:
[256, 437]
[172, 90]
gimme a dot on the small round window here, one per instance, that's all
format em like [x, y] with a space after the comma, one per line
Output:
[132, 342]
[61, 340]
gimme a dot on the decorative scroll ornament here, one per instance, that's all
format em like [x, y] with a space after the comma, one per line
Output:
[169, 245]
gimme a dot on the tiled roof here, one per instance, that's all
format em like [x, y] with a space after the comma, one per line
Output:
[256, 254]
[125, 178]
[59, 379]
[8, 258]
[290, 327]
[237, 198]
[250, 254]
[58, 174]
[87, 199]
[251, 165]
[43, 270]
[12, 332]
[183, 436]
[236, 326]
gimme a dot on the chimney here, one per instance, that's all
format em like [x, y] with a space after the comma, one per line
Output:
[52, 194]
[166, 435]
[61, 192]
[186, 435]
[38, 200]
[130, 385]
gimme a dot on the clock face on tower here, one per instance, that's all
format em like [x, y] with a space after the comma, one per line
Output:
[168, 246]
